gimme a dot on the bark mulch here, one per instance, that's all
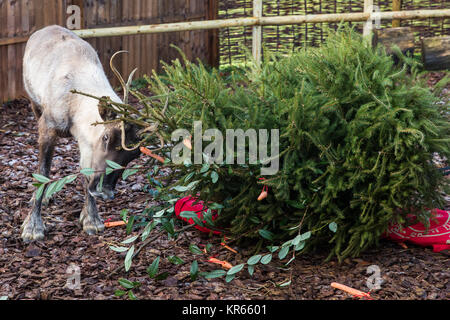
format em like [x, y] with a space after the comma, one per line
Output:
[40, 270]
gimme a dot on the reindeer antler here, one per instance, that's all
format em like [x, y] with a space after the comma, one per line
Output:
[153, 128]
[126, 91]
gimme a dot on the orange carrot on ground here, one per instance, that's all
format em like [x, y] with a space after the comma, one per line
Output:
[403, 245]
[353, 292]
[227, 247]
[224, 264]
[111, 224]
[151, 154]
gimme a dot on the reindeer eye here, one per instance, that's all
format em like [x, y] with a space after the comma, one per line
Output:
[105, 137]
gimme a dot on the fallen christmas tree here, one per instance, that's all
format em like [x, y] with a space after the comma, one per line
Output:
[356, 141]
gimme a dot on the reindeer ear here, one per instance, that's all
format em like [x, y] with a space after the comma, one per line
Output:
[105, 111]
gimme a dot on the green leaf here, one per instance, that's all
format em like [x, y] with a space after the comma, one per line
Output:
[100, 183]
[180, 188]
[108, 171]
[60, 184]
[130, 224]
[131, 295]
[118, 249]
[128, 258]
[87, 171]
[175, 260]
[195, 250]
[251, 270]
[205, 167]
[300, 246]
[236, 269]
[215, 274]
[285, 284]
[265, 234]
[333, 226]
[124, 215]
[162, 276]
[40, 178]
[119, 293]
[188, 214]
[194, 270]
[254, 260]
[198, 221]
[189, 176]
[305, 236]
[130, 240]
[266, 259]
[71, 178]
[147, 230]
[159, 214]
[50, 189]
[40, 191]
[214, 177]
[283, 252]
[128, 172]
[287, 243]
[113, 164]
[152, 270]
[168, 226]
[272, 249]
[229, 277]
[127, 284]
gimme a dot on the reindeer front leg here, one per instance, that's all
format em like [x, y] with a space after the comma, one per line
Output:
[89, 218]
[33, 228]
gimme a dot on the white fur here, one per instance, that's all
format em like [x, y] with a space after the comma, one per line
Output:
[55, 62]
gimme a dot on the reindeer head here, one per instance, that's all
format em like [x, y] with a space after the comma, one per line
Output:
[112, 143]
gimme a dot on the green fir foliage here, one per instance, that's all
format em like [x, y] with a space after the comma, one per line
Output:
[357, 137]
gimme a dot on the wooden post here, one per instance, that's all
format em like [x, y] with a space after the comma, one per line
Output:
[368, 25]
[257, 31]
[396, 6]
[213, 34]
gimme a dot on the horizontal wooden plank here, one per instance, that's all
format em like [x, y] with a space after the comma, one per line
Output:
[13, 40]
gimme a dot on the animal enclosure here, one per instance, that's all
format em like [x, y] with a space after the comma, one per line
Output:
[20, 18]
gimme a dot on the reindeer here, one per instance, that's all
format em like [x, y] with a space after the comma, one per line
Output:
[57, 61]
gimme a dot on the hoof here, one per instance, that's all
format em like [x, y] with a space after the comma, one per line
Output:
[32, 231]
[92, 225]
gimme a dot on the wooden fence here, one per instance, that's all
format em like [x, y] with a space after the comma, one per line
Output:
[285, 38]
[20, 18]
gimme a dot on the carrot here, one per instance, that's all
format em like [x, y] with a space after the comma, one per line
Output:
[115, 224]
[263, 195]
[227, 247]
[353, 292]
[224, 264]
[403, 245]
[151, 154]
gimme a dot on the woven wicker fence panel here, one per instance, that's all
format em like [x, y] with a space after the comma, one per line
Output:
[235, 43]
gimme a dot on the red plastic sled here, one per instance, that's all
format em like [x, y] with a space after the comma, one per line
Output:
[438, 235]
[193, 204]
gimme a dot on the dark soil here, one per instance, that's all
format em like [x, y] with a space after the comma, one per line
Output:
[39, 270]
